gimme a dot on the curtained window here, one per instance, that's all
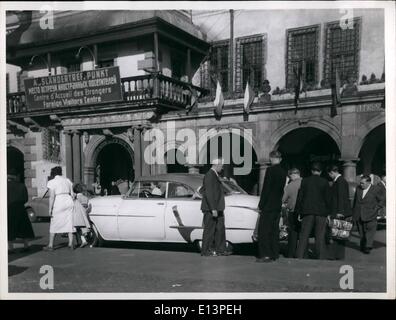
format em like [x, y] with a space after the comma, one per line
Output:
[250, 62]
[342, 49]
[302, 52]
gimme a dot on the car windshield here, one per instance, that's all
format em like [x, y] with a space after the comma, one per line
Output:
[231, 187]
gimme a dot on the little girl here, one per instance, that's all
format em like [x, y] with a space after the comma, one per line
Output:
[80, 218]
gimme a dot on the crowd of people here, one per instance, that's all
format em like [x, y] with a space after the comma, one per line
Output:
[312, 204]
[310, 207]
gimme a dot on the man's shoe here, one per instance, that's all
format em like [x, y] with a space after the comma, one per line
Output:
[209, 254]
[264, 260]
[48, 248]
[225, 253]
[366, 250]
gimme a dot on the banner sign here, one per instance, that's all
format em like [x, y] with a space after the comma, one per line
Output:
[74, 89]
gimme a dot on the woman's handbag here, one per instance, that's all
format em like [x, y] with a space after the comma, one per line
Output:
[340, 229]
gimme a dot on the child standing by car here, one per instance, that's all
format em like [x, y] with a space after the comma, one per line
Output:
[80, 217]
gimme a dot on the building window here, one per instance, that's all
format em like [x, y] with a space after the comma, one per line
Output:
[217, 67]
[106, 63]
[51, 145]
[342, 51]
[250, 62]
[73, 67]
[302, 52]
[21, 76]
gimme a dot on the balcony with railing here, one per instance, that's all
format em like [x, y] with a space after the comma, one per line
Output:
[165, 92]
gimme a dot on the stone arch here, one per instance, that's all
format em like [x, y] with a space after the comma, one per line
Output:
[211, 133]
[365, 130]
[323, 125]
[17, 145]
[93, 148]
[97, 143]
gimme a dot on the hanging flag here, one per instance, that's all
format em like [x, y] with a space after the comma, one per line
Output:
[193, 98]
[298, 87]
[248, 98]
[335, 94]
[219, 100]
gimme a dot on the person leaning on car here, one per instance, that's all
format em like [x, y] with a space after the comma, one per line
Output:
[212, 206]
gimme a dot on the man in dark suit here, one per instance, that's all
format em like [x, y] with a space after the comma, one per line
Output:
[312, 207]
[270, 208]
[382, 190]
[213, 208]
[340, 208]
[368, 200]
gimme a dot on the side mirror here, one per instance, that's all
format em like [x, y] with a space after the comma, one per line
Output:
[196, 195]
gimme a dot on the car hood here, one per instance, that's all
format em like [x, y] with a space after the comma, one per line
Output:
[242, 201]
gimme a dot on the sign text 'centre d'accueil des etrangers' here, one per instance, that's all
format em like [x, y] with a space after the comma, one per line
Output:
[74, 89]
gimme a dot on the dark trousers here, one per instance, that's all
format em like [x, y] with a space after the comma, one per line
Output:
[294, 229]
[268, 235]
[318, 223]
[336, 249]
[213, 233]
[367, 230]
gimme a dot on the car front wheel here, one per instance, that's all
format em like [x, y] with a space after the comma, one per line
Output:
[94, 238]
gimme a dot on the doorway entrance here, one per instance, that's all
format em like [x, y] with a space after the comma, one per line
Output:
[301, 147]
[113, 163]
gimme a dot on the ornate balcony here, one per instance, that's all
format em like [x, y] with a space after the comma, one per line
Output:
[154, 89]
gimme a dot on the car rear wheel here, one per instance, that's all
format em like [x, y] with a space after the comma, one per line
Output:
[94, 238]
[31, 214]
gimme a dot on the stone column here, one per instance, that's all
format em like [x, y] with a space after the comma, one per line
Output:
[69, 155]
[89, 177]
[264, 164]
[137, 152]
[349, 166]
[145, 166]
[76, 157]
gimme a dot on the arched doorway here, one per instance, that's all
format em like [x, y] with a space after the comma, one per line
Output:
[15, 160]
[173, 165]
[372, 153]
[239, 154]
[113, 162]
[300, 147]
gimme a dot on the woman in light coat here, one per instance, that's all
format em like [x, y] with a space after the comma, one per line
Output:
[60, 207]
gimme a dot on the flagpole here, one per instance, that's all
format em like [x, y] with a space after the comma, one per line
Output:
[231, 50]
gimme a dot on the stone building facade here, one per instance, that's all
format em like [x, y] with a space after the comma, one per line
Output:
[186, 51]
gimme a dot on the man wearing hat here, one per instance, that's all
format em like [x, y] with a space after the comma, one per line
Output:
[212, 207]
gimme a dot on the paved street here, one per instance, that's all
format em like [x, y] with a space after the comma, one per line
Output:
[125, 267]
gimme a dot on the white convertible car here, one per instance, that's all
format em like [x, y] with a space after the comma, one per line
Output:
[166, 208]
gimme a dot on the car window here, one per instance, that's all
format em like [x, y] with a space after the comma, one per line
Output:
[231, 187]
[178, 190]
[147, 189]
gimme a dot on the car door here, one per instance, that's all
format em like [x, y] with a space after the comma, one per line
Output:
[141, 213]
[183, 218]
